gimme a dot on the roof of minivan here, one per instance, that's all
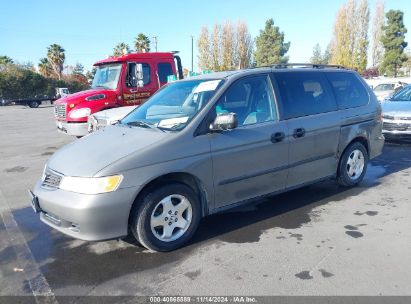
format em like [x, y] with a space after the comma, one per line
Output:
[226, 74]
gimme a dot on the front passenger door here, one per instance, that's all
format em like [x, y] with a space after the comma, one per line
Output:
[250, 160]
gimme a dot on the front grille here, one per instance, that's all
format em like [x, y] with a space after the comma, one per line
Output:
[51, 180]
[389, 117]
[388, 126]
[403, 118]
[60, 110]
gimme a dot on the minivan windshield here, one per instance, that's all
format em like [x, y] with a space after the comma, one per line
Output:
[402, 95]
[174, 106]
[106, 76]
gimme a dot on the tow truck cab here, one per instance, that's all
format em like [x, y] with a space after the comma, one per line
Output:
[119, 81]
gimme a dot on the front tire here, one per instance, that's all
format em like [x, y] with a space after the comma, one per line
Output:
[166, 218]
[34, 104]
[353, 165]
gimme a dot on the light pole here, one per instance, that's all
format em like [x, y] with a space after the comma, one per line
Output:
[155, 41]
[192, 53]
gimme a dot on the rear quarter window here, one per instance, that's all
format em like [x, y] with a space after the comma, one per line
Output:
[348, 90]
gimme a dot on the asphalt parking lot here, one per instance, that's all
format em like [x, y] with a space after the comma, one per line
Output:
[318, 240]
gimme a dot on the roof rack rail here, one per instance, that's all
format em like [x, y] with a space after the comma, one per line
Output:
[306, 65]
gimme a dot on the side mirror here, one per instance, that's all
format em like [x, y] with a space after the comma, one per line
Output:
[139, 75]
[223, 122]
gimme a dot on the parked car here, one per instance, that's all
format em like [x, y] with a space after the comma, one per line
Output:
[397, 115]
[384, 90]
[107, 117]
[207, 144]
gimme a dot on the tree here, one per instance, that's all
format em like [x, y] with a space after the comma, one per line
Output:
[244, 45]
[370, 73]
[377, 49]
[90, 74]
[327, 54]
[142, 43]
[120, 49]
[349, 45]
[317, 56]
[5, 60]
[341, 49]
[56, 58]
[408, 63]
[204, 53]
[44, 68]
[228, 46]
[271, 48]
[393, 40]
[78, 69]
[361, 36]
[216, 60]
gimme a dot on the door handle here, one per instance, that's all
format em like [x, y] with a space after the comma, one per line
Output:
[277, 137]
[300, 132]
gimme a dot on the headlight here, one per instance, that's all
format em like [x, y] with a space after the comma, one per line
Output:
[96, 97]
[91, 185]
[80, 113]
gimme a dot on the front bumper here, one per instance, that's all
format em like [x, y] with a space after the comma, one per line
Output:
[72, 128]
[397, 129]
[86, 217]
[397, 135]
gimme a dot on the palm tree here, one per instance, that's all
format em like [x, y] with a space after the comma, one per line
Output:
[121, 49]
[56, 57]
[5, 60]
[44, 67]
[142, 43]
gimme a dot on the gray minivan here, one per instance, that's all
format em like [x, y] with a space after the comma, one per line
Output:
[209, 143]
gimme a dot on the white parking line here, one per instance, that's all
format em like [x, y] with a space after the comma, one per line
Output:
[37, 282]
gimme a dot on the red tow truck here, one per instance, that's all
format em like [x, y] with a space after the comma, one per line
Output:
[119, 81]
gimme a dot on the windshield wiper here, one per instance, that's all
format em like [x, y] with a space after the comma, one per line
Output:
[175, 127]
[140, 123]
[100, 86]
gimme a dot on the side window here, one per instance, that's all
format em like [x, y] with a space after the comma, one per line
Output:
[304, 93]
[164, 70]
[131, 80]
[348, 90]
[251, 99]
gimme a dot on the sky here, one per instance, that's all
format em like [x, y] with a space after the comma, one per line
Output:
[89, 29]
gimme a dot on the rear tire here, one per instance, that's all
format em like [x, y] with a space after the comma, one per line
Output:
[353, 165]
[166, 218]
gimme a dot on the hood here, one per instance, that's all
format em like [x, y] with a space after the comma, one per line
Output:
[78, 97]
[88, 155]
[112, 115]
[397, 108]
